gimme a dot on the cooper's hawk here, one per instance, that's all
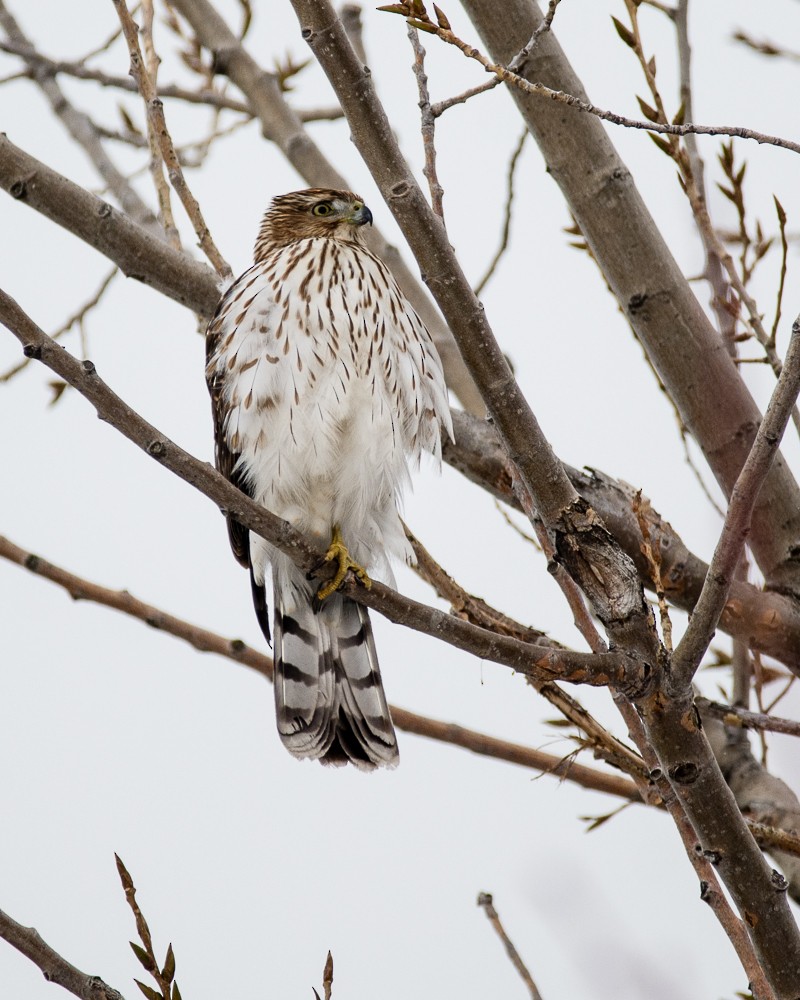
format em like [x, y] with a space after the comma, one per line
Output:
[324, 384]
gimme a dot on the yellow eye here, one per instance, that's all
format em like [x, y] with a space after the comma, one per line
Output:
[324, 208]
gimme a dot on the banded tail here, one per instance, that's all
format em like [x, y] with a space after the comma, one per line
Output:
[328, 693]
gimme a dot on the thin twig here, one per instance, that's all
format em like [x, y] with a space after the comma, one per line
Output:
[156, 120]
[80, 126]
[150, 69]
[106, 45]
[512, 166]
[441, 106]
[520, 60]
[721, 297]
[78, 317]
[486, 903]
[773, 334]
[427, 124]
[733, 715]
[737, 520]
[528, 87]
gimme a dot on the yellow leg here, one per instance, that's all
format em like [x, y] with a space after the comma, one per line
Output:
[338, 551]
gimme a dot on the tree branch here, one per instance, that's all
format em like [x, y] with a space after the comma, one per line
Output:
[486, 903]
[160, 138]
[736, 528]
[137, 253]
[55, 969]
[205, 641]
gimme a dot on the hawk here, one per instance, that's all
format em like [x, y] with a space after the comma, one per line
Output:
[325, 386]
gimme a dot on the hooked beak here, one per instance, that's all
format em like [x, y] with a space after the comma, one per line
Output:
[361, 217]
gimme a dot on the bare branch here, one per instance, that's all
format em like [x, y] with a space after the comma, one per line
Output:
[427, 124]
[205, 641]
[486, 902]
[736, 528]
[55, 969]
[137, 253]
[733, 715]
[512, 166]
[505, 74]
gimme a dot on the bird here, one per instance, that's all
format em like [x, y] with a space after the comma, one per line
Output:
[326, 389]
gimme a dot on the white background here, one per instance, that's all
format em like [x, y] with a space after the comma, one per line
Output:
[116, 738]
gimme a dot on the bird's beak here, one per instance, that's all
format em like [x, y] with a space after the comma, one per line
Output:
[361, 217]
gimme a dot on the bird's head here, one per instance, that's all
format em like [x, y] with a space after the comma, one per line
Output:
[316, 212]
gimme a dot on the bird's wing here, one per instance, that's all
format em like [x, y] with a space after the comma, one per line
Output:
[225, 459]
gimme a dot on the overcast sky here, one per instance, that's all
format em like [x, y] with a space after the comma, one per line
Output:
[114, 737]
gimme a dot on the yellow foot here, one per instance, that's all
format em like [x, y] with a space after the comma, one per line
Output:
[338, 551]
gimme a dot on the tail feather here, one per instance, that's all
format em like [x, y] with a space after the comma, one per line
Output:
[328, 692]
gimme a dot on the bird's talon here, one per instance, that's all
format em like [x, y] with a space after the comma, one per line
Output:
[338, 551]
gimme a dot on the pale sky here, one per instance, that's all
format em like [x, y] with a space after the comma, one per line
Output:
[114, 737]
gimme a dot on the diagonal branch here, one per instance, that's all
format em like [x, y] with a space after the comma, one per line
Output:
[205, 641]
[554, 664]
[652, 291]
[55, 969]
[585, 548]
[486, 902]
[736, 528]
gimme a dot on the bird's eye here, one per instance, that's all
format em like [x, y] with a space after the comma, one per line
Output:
[324, 208]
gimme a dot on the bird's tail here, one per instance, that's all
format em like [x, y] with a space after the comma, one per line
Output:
[328, 692]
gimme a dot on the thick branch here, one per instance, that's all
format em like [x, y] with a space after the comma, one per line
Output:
[589, 553]
[680, 341]
[765, 621]
[54, 968]
[761, 796]
[137, 253]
